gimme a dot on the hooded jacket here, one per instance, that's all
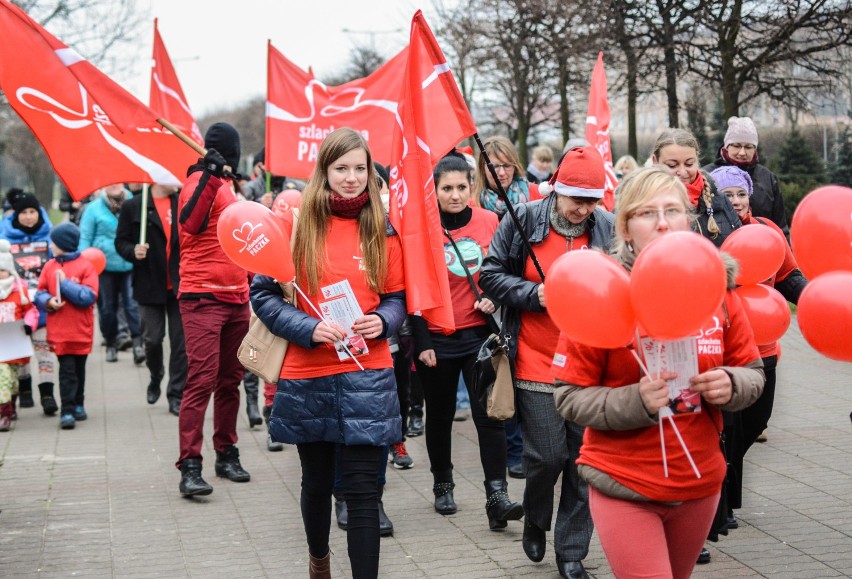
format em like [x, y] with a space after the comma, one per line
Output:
[97, 229]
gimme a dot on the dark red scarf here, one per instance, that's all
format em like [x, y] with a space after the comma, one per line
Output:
[348, 208]
[744, 166]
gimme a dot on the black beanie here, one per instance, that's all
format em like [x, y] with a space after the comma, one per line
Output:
[260, 157]
[66, 236]
[225, 139]
[20, 200]
[382, 173]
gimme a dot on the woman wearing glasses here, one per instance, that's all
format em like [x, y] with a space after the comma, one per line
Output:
[510, 173]
[653, 522]
[740, 150]
[677, 151]
[568, 219]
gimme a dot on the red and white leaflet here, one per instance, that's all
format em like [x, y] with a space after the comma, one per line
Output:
[681, 357]
[342, 308]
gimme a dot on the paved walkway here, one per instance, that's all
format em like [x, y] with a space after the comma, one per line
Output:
[102, 500]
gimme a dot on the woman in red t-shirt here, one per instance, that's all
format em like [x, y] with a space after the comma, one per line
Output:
[652, 522]
[442, 358]
[743, 429]
[347, 259]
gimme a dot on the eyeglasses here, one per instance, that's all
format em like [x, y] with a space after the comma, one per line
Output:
[653, 215]
[743, 146]
[505, 168]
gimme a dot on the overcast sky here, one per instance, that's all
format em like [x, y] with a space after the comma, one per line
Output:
[219, 47]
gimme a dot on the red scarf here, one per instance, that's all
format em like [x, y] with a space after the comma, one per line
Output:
[744, 166]
[348, 208]
[695, 189]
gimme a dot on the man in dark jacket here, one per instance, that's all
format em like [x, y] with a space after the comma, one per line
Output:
[740, 150]
[156, 279]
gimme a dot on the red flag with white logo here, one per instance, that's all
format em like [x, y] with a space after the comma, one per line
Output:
[301, 111]
[166, 96]
[432, 119]
[597, 128]
[94, 132]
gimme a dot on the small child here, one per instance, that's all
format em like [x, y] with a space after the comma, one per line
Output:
[14, 305]
[67, 290]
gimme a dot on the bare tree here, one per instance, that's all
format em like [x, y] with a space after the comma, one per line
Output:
[363, 61]
[782, 49]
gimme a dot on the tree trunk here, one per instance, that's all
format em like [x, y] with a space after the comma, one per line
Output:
[632, 97]
[670, 63]
[564, 108]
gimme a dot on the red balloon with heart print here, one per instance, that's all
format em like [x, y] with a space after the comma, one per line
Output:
[286, 200]
[96, 257]
[252, 237]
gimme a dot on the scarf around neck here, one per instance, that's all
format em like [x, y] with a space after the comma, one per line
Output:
[744, 166]
[695, 189]
[6, 286]
[518, 192]
[564, 227]
[348, 208]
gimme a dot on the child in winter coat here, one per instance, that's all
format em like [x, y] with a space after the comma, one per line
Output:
[67, 290]
[14, 305]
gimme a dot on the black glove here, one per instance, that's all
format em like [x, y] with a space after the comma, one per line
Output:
[214, 163]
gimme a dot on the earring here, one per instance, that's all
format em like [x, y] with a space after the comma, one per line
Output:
[629, 247]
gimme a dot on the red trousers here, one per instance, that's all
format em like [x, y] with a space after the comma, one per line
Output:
[213, 332]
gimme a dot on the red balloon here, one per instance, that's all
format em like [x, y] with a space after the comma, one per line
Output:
[760, 251]
[588, 298]
[251, 236]
[821, 232]
[97, 257]
[767, 312]
[678, 282]
[287, 200]
[825, 315]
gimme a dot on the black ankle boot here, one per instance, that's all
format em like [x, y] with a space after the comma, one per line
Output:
[498, 506]
[48, 402]
[191, 483]
[385, 524]
[228, 465]
[444, 502]
[341, 513]
[253, 412]
[25, 391]
[533, 542]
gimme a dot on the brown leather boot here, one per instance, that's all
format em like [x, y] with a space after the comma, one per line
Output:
[319, 568]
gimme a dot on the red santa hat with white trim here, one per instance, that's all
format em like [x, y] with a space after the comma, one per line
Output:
[580, 174]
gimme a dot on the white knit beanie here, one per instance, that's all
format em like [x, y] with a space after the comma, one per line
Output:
[741, 130]
[6, 262]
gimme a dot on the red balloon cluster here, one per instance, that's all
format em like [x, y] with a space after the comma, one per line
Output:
[677, 283]
[252, 237]
[821, 235]
[96, 257]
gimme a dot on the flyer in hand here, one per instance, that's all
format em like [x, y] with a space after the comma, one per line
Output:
[340, 306]
[681, 357]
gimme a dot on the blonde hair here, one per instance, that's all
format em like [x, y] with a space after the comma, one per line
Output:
[636, 190]
[309, 250]
[494, 146]
[684, 138]
[626, 164]
[543, 153]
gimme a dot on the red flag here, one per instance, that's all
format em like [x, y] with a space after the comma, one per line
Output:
[301, 111]
[78, 113]
[167, 96]
[431, 120]
[597, 128]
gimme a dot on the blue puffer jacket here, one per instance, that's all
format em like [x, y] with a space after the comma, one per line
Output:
[352, 408]
[14, 235]
[97, 229]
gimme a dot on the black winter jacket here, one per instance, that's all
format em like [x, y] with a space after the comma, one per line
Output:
[149, 274]
[501, 277]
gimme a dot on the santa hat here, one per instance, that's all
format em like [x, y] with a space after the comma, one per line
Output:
[741, 130]
[580, 174]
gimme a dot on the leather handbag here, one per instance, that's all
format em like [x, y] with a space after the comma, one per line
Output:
[261, 352]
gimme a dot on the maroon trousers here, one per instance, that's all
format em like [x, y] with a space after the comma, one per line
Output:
[213, 332]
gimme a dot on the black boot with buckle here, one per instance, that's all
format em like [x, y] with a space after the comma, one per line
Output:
[444, 502]
[498, 506]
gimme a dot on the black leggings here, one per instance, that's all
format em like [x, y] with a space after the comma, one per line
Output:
[440, 384]
[360, 490]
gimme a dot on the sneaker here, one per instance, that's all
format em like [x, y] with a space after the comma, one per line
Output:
[80, 414]
[415, 426]
[273, 446]
[760, 437]
[67, 422]
[123, 342]
[111, 354]
[400, 459]
[461, 414]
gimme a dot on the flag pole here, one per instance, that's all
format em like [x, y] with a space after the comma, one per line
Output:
[502, 194]
[180, 135]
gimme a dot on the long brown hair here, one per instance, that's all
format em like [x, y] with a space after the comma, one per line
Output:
[496, 145]
[309, 249]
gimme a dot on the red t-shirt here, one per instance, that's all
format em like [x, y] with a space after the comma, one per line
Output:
[633, 457]
[472, 240]
[164, 211]
[343, 262]
[538, 334]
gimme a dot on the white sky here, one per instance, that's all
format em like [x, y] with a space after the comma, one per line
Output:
[219, 46]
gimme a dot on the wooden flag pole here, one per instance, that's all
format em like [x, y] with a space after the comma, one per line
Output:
[180, 135]
[143, 226]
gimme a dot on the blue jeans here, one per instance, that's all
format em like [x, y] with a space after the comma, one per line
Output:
[462, 397]
[112, 284]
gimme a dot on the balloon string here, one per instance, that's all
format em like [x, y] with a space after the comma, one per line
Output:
[683, 446]
[322, 321]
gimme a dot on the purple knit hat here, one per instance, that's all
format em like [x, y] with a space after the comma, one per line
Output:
[730, 176]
